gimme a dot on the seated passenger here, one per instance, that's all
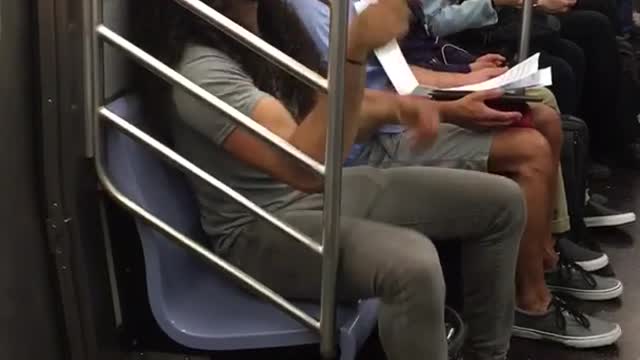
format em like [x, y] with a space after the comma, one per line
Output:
[585, 41]
[385, 213]
[530, 158]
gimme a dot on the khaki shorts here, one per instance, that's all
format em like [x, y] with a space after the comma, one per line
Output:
[455, 147]
[547, 97]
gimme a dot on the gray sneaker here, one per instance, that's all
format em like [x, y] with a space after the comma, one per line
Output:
[567, 326]
[570, 279]
[587, 259]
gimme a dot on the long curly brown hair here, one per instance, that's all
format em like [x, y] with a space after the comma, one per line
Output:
[163, 28]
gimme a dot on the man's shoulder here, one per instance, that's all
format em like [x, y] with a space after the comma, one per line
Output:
[199, 63]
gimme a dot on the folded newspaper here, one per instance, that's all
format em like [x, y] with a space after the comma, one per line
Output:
[526, 74]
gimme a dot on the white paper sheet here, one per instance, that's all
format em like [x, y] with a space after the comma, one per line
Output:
[541, 78]
[398, 70]
[392, 60]
[517, 73]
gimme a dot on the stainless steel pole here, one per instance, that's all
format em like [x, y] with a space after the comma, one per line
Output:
[525, 31]
[333, 178]
[97, 73]
[88, 34]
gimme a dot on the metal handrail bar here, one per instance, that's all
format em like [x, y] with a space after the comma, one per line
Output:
[185, 165]
[175, 78]
[256, 44]
[203, 252]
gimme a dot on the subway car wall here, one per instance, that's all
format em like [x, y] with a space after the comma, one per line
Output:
[56, 299]
[29, 305]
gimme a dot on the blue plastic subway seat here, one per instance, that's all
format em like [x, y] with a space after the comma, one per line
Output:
[194, 304]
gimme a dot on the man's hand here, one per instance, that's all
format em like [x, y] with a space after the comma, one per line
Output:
[422, 116]
[556, 6]
[488, 61]
[511, 3]
[473, 111]
[482, 75]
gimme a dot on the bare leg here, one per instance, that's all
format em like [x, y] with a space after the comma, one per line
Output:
[547, 122]
[526, 156]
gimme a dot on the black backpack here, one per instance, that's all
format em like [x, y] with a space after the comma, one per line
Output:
[575, 163]
[629, 99]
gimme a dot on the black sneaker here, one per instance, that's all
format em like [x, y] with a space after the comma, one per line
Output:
[598, 198]
[599, 215]
[565, 325]
[598, 171]
[587, 259]
[570, 279]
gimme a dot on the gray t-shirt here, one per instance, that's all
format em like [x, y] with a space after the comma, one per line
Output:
[199, 133]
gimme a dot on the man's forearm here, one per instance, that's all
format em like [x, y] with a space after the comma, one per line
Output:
[438, 79]
[379, 108]
[451, 114]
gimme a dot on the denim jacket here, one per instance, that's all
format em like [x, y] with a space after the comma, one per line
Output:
[443, 18]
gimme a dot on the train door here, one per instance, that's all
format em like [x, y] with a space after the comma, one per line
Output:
[55, 294]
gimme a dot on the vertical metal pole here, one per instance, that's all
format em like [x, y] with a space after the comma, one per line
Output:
[333, 178]
[525, 32]
[90, 108]
[97, 56]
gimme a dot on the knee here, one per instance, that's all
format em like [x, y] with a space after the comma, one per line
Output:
[575, 56]
[563, 73]
[599, 24]
[536, 156]
[418, 272]
[510, 200]
[549, 124]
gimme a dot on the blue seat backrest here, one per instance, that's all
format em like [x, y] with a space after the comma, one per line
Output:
[161, 190]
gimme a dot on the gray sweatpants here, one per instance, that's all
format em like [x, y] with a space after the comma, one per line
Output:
[384, 253]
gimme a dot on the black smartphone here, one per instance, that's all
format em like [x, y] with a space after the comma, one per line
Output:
[505, 99]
